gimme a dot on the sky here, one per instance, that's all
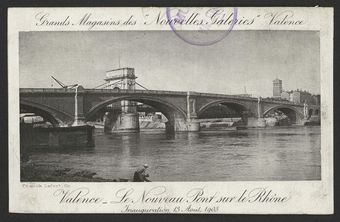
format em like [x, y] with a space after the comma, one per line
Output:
[163, 61]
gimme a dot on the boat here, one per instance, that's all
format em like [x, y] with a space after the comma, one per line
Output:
[69, 136]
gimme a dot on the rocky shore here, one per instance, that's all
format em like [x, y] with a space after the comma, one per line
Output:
[31, 172]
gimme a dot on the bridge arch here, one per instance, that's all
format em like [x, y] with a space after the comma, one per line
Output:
[293, 113]
[169, 110]
[237, 106]
[49, 114]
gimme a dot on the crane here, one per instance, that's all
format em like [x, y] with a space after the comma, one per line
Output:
[63, 85]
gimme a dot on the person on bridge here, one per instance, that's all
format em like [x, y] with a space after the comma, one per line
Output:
[140, 174]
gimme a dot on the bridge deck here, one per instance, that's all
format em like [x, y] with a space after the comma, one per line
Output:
[149, 92]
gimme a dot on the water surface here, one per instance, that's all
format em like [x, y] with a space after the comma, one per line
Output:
[281, 153]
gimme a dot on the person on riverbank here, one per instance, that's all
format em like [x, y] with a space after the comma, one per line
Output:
[140, 174]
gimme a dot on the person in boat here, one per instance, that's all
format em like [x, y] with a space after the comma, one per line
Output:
[140, 174]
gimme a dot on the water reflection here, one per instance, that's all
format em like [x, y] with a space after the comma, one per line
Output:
[291, 153]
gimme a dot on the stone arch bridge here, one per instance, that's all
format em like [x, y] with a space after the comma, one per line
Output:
[65, 106]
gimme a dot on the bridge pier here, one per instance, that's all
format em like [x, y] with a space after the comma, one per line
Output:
[127, 122]
[185, 125]
[255, 121]
[107, 121]
[261, 122]
[193, 125]
[182, 125]
[79, 118]
[124, 122]
[190, 124]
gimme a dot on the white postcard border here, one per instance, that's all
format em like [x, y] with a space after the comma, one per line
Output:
[304, 197]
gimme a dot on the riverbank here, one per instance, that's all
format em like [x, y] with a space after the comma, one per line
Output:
[31, 172]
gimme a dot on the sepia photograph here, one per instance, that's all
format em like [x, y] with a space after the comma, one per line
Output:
[146, 106]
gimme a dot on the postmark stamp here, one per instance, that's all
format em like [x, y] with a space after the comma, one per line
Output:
[177, 17]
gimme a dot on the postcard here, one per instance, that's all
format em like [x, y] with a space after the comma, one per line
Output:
[171, 110]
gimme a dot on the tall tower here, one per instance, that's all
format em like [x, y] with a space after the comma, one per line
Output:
[123, 78]
[277, 88]
[127, 120]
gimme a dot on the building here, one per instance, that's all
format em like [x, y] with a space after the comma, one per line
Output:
[296, 96]
[300, 97]
[277, 88]
[285, 95]
[317, 99]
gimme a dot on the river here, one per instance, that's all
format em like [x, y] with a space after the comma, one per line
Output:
[278, 153]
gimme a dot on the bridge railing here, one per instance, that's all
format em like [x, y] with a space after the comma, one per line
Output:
[127, 91]
[136, 91]
[153, 92]
[59, 90]
[45, 90]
